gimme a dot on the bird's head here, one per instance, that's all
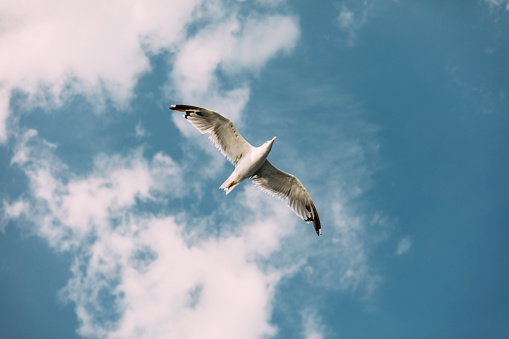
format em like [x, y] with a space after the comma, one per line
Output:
[269, 143]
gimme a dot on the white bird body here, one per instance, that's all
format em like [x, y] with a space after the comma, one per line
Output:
[251, 162]
[248, 165]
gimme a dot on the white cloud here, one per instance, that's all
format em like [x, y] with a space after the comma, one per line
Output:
[271, 3]
[140, 131]
[54, 49]
[74, 208]
[16, 209]
[352, 16]
[346, 18]
[13, 211]
[166, 288]
[313, 328]
[146, 274]
[4, 113]
[353, 271]
[232, 47]
[497, 3]
[403, 246]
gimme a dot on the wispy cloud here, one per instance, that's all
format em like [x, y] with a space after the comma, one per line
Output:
[352, 16]
[403, 246]
[477, 95]
[313, 327]
[13, 211]
[140, 131]
[353, 271]
[346, 18]
[498, 3]
[344, 174]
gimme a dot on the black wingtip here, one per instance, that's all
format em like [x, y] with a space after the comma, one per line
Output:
[318, 231]
[183, 108]
[316, 221]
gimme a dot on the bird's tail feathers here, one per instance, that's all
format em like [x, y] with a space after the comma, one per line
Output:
[228, 185]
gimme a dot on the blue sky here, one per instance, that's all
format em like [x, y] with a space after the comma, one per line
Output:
[393, 114]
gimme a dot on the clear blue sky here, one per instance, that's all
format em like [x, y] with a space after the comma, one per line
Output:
[393, 114]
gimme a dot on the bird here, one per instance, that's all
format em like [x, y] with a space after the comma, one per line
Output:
[251, 162]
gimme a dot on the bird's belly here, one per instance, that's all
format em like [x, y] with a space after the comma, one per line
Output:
[248, 166]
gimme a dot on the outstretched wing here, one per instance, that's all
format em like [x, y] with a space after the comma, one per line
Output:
[283, 185]
[222, 131]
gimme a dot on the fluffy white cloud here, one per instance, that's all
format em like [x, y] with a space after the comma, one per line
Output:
[75, 208]
[229, 47]
[163, 286]
[54, 49]
[148, 274]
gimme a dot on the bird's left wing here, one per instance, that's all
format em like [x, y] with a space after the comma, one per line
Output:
[283, 185]
[222, 131]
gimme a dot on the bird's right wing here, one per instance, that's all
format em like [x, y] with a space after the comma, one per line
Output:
[222, 131]
[286, 186]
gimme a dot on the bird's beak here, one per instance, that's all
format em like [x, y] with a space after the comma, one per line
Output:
[273, 139]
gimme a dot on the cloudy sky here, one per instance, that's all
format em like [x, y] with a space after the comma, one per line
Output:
[393, 114]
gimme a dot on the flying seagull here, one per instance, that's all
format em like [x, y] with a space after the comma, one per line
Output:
[251, 162]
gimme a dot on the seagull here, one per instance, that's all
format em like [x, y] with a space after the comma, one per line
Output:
[251, 162]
